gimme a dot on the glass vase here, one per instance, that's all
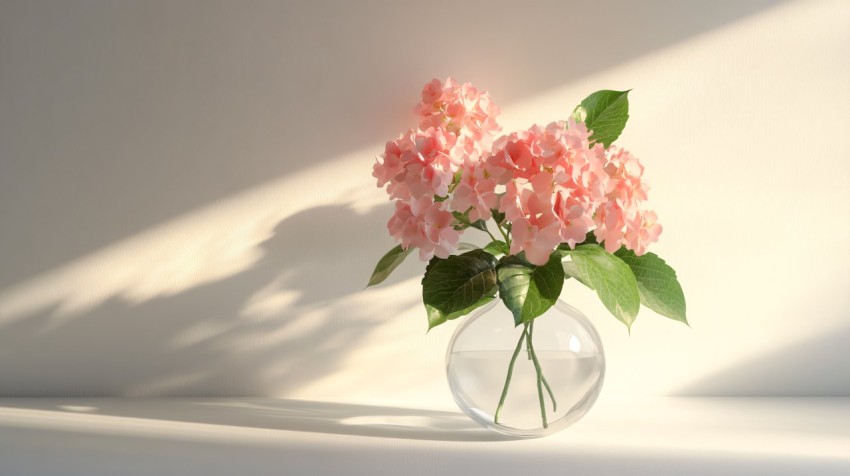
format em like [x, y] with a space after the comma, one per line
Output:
[529, 380]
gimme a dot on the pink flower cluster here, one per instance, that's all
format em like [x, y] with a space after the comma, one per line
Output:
[553, 181]
[457, 126]
[550, 183]
[461, 110]
[559, 187]
[620, 220]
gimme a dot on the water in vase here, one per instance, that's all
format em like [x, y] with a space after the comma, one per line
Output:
[572, 377]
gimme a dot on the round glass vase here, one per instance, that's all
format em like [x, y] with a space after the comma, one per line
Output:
[530, 380]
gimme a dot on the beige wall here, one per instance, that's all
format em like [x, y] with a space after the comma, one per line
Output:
[186, 206]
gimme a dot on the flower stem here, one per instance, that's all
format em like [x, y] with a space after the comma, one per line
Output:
[551, 394]
[488, 232]
[507, 240]
[531, 356]
[510, 374]
[539, 373]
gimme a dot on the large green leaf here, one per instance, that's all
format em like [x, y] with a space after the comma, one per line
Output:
[388, 263]
[437, 317]
[529, 290]
[458, 284]
[605, 113]
[657, 283]
[610, 277]
[571, 271]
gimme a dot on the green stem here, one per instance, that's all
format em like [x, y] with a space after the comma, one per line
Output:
[528, 339]
[510, 374]
[488, 232]
[533, 357]
[507, 240]
[551, 394]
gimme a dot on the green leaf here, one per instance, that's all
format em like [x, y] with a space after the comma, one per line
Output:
[605, 113]
[529, 290]
[497, 247]
[454, 286]
[564, 249]
[610, 277]
[388, 263]
[436, 317]
[571, 271]
[657, 283]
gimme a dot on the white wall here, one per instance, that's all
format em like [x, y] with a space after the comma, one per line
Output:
[186, 206]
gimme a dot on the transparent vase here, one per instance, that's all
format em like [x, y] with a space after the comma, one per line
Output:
[529, 380]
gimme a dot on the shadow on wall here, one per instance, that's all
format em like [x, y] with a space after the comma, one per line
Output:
[121, 116]
[818, 367]
[291, 318]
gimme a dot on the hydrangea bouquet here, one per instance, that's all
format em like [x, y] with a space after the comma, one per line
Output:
[558, 201]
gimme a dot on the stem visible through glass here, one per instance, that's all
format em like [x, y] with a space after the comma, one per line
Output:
[510, 374]
[526, 336]
[539, 373]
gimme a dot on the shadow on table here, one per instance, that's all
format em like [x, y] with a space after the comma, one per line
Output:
[281, 414]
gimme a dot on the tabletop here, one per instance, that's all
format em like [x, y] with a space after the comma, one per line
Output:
[258, 436]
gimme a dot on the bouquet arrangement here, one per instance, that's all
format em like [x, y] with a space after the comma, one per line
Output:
[558, 201]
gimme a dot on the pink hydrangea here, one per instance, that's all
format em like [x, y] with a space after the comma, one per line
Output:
[552, 185]
[475, 192]
[535, 227]
[610, 220]
[642, 230]
[620, 221]
[425, 224]
[457, 127]
[462, 110]
[443, 154]
[553, 181]
[417, 164]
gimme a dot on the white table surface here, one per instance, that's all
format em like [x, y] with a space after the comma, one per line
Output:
[243, 436]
